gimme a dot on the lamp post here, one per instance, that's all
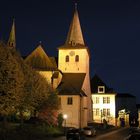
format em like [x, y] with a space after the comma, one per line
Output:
[65, 118]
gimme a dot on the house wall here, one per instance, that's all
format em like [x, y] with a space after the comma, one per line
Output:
[99, 118]
[75, 116]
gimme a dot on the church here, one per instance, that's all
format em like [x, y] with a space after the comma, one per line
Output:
[69, 73]
[81, 100]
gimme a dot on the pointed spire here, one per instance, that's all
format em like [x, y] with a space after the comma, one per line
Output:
[12, 38]
[75, 35]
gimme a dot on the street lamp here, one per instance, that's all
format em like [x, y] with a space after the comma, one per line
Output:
[65, 118]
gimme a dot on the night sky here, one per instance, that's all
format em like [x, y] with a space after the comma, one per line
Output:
[111, 30]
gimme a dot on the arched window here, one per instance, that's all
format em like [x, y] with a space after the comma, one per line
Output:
[77, 58]
[67, 58]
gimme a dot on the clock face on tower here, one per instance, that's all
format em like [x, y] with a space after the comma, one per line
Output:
[72, 53]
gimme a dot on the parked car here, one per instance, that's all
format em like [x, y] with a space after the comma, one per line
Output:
[134, 136]
[89, 131]
[134, 130]
[75, 134]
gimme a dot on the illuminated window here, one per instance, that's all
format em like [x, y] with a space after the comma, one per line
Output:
[108, 112]
[69, 100]
[77, 58]
[67, 58]
[101, 89]
[104, 112]
[97, 100]
[96, 111]
[106, 100]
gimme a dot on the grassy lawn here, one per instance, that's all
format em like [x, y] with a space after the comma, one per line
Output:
[28, 132]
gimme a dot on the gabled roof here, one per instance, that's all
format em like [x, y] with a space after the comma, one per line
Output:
[96, 81]
[39, 60]
[71, 84]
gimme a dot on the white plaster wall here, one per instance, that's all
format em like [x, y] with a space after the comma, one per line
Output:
[75, 115]
[72, 66]
[100, 105]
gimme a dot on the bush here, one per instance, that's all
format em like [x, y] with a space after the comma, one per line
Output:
[60, 120]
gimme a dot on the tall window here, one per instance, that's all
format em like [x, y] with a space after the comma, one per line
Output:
[106, 100]
[96, 111]
[67, 58]
[77, 58]
[97, 100]
[69, 101]
[106, 111]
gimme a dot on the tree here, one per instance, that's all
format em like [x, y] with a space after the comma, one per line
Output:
[21, 87]
[11, 82]
[38, 95]
[48, 110]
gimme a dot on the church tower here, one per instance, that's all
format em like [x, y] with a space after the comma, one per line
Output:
[12, 38]
[74, 57]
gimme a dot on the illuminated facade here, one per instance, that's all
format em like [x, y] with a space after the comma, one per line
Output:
[111, 106]
[103, 102]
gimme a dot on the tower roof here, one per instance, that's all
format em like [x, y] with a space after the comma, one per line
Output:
[12, 37]
[75, 35]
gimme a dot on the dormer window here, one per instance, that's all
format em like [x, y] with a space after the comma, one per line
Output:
[67, 58]
[77, 58]
[101, 89]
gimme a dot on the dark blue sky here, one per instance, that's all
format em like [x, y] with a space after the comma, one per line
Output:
[111, 30]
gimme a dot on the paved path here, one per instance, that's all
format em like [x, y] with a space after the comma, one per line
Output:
[100, 137]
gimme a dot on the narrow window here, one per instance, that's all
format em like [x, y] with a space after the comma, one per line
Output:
[67, 58]
[108, 112]
[108, 100]
[77, 58]
[97, 100]
[104, 100]
[104, 112]
[69, 101]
